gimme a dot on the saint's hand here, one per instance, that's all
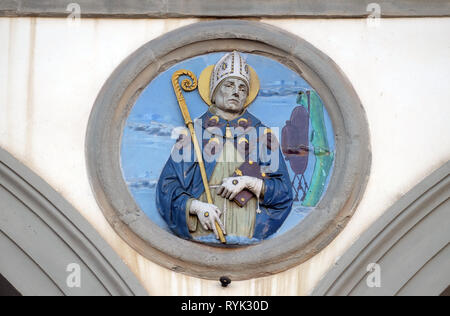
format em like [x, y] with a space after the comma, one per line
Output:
[208, 215]
[233, 186]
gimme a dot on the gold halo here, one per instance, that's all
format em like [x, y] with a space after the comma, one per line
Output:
[205, 79]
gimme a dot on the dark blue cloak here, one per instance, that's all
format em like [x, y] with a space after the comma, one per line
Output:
[181, 181]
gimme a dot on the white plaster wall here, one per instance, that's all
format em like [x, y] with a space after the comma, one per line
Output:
[52, 71]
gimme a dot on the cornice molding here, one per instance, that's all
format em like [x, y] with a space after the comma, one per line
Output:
[227, 9]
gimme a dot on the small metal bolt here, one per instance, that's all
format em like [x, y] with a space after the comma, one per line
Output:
[225, 281]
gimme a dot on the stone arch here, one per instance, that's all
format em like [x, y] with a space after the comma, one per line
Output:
[41, 234]
[410, 243]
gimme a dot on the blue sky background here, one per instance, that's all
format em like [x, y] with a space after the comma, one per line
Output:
[147, 141]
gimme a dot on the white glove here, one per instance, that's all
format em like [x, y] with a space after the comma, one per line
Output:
[234, 185]
[208, 215]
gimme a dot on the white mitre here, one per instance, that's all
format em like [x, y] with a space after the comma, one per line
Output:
[230, 65]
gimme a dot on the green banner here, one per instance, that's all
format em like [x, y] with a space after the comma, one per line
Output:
[322, 152]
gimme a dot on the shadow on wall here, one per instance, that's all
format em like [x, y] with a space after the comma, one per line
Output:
[6, 289]
[446, 292]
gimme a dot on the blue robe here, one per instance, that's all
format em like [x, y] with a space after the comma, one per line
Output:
[181, 181]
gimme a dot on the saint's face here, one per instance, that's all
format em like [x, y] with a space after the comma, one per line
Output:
[231, 95]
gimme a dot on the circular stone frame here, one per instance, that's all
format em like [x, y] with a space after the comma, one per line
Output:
[318, 229]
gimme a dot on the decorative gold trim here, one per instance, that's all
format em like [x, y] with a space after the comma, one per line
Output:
[242, 139]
